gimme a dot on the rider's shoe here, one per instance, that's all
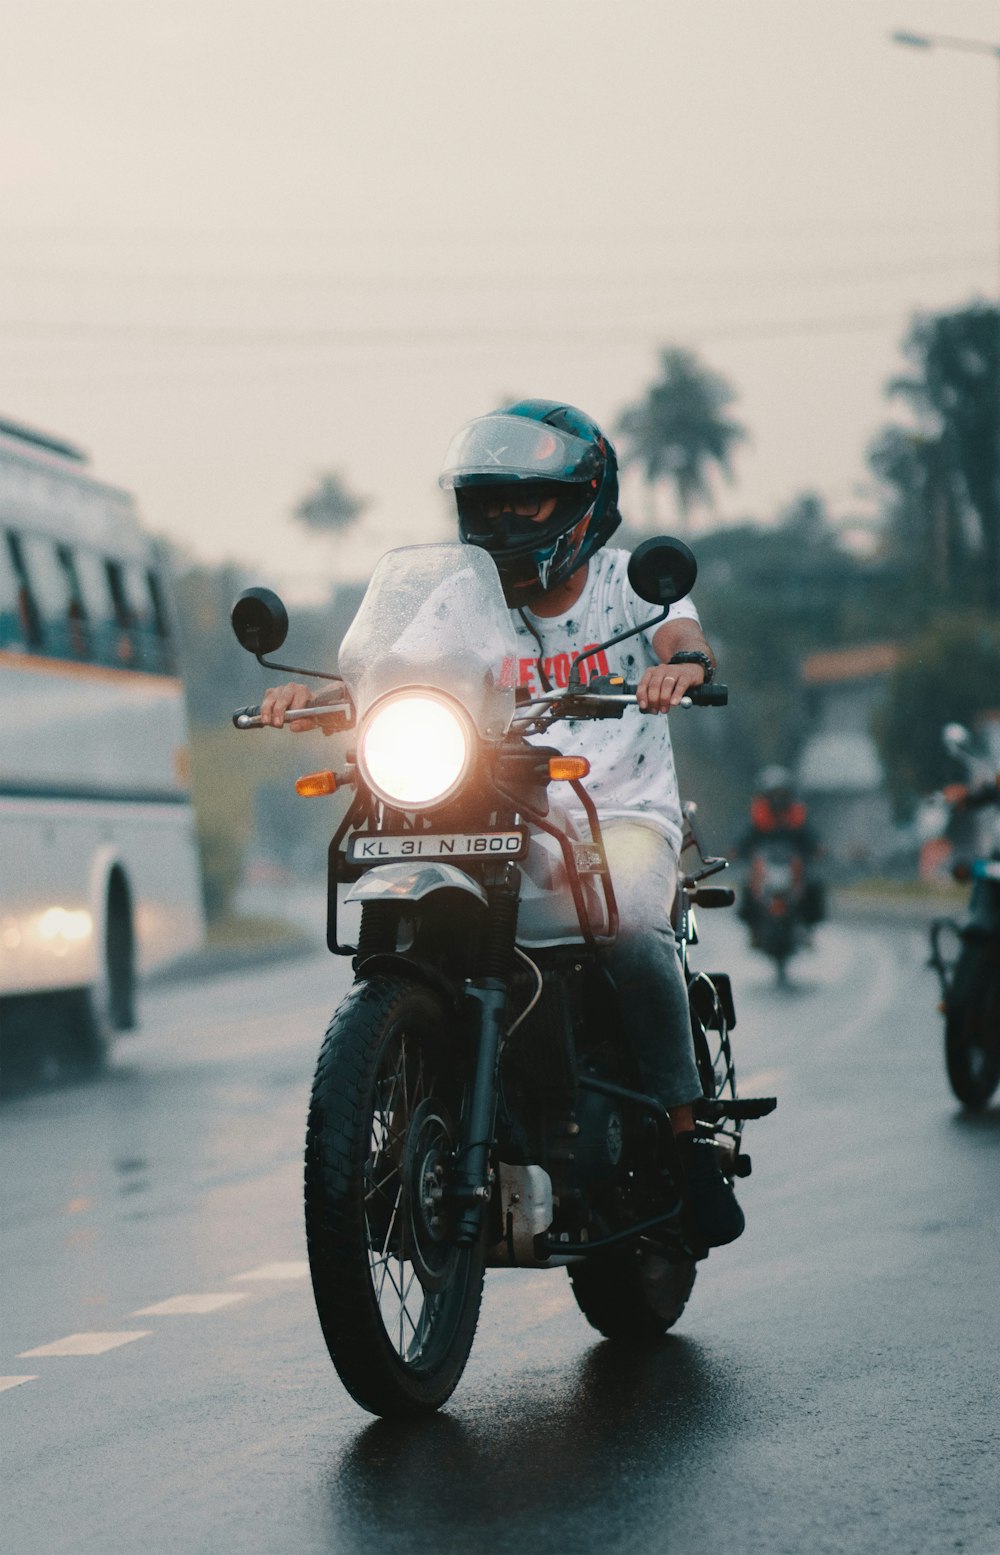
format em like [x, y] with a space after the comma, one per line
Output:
[715, 1211]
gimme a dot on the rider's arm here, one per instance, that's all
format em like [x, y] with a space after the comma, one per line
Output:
[662, 685]
[278, 700]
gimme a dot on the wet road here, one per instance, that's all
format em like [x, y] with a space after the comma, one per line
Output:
[832, 1387]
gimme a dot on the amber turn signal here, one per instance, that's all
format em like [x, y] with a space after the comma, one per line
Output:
[565, 769]
[315, 783]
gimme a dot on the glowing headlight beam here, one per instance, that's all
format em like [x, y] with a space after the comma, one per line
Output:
[414, 751]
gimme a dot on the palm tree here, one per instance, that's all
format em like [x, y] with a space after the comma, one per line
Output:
[330, 507]
[680, 432]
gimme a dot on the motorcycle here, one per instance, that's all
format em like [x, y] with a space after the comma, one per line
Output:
[476, 1103]
[969, 971]
[776, 902]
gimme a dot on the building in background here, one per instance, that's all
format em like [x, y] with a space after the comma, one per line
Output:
[840, 774]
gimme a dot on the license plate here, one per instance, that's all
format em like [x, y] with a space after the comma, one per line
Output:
[364, 849]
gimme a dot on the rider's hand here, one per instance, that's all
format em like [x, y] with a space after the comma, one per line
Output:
[278, 700]
[663, 685]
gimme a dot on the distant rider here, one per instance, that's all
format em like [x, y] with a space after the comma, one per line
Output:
[777, 815]
[536, 486]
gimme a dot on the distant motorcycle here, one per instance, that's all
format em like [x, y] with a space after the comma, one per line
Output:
[775, 902]
[476, 1101]
[970, 971]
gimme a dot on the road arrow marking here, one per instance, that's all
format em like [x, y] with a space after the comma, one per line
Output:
[14, 1382]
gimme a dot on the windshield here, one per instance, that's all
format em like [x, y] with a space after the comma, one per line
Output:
[434, 616]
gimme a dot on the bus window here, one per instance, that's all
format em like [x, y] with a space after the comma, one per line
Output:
[97, 603]
[12, 634]
[149, 613]
[53, 586]
[28, 614]
[76, 611]
[124, 614]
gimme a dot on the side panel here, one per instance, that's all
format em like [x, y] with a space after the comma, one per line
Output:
[55, 861]
[93, 770]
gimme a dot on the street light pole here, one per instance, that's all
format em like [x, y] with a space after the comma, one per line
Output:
[933, 40]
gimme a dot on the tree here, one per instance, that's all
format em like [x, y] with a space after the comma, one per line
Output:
[681, 433]
[950, 675]
[944, 477]
[330, 507]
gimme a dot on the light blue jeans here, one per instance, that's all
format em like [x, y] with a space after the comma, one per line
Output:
[644, 963]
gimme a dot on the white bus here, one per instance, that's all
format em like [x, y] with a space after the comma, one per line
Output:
[99, 876]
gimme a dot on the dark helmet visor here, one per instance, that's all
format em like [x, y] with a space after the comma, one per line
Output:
[506, 519]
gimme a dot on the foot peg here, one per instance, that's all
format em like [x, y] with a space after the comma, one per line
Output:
[737, 1110]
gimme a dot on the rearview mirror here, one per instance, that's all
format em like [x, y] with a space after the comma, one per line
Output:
[662, 570]
[260, 621]
[956, 739]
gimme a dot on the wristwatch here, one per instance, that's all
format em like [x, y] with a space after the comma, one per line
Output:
[695, 656]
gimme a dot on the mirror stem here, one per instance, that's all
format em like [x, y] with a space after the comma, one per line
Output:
[292, 669]
[574, 674]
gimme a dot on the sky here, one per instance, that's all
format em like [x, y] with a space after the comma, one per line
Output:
[244, 242]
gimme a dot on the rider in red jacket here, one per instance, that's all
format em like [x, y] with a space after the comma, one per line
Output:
[777, 815]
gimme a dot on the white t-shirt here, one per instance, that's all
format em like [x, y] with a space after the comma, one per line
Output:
[631, 759]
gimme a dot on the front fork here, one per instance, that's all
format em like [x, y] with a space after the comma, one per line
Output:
[487, 999]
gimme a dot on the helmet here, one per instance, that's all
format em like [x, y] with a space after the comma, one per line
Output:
[542, 449]
[775, 780]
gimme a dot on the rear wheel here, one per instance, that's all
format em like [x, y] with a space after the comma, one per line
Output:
[972, 1035]
[398, 1300]
[636, 1295]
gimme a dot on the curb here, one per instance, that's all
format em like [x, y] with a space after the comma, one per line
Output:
[905, 912]
[222, 961]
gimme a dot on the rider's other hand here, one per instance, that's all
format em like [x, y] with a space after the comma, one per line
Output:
[663, 685]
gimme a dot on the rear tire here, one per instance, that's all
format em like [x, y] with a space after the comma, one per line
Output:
[637, 1295]
[972, 1033]
[398, 1300]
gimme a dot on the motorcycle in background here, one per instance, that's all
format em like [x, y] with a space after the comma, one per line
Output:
[775, 902]
[969, 968]
[476, 1102]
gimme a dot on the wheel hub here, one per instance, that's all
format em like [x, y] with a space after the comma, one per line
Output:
[427, 1161]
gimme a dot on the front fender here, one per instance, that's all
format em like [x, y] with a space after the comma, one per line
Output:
[412, 882]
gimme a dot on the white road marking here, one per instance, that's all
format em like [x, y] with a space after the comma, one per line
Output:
[764, 1083]
[210, 1301]
[14, 1382]
[275, 1271]
[86, 1344]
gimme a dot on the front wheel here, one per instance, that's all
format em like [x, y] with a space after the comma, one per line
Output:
[972, 1034]
[636, 1295]
[398, 1299]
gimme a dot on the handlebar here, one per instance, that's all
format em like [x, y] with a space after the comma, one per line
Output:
[249, 717]
[595, 696]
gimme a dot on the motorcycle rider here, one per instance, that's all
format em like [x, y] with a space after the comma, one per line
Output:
[536, 485]
[778, 815]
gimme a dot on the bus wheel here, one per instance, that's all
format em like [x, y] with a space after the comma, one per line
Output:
[110, 1002]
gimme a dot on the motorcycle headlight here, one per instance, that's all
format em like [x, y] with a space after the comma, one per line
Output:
[415, 750]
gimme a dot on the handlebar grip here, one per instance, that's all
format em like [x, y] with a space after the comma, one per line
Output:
[711, 695]
[247, 718]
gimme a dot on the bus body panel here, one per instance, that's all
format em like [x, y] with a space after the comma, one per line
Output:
[93, 731]
[56, 862]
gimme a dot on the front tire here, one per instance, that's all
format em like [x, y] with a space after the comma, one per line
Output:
[637, 1295]
[972, 1034]
[398, 1300]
